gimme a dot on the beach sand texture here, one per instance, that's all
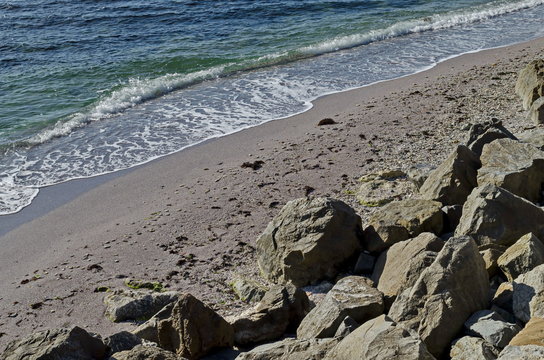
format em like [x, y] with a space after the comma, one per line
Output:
[190, 220]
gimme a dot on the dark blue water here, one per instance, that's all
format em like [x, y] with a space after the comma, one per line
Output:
[91, 87]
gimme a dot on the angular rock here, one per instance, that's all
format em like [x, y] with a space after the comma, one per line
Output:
[58, 344]
[534, 137]
[492, 215]
[527, 352]
[452, 288]
[491, 254]
[469, 348]
[346, 327]
[400, 266]
[453, 216]
[136, 305]
[149, 330]
[530, 83]
[454, 179]
[142, 352]
[122, 341]
[382, 188]
[281, 309]
[491, 327]
[290, 349]
[193, 329]
[528, 295]
[402, 220]
[352, 296]
[365, 264]
[247, 290]
[379, 339]
[486, 132]
[523, 256]
[418, 173]
[308, 240]
[531, 334]
[503, 296]
[515, 166]
[536, 112]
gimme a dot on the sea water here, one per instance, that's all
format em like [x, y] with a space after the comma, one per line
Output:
[90, 87]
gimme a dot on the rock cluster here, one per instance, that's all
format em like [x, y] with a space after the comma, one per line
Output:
[456, 271]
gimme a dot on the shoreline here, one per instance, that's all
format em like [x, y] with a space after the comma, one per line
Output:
[128, 223]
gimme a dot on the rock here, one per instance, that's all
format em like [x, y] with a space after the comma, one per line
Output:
[523, 256]
[365, 264]
[346, 327]
[472, 348]
[247, 290]
[418, 173]
[400, 266]
[491, 253]
[486, 132]
[142, 352]
[530, 83]
[290, 349]
[503, 297]
[454, 179]
[326, 121]
[122, 341]
[136, 305]
[453, 216]
[379, 339]
[515, 166]
[491, 327]
[531, 334]
[281, 310]
[382, 188]
[528, 294]
[352, 296]
[536, 112]
[149, 330]
[58, 344]
[452, 288]
[402, 220]
[308, 241]
[193, 329]
[492, 215]
[527, 352]
[534, 137]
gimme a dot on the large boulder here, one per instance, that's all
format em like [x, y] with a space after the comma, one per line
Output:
[247, 290]
[122, 341]
[491, 254]
[531, 334]
[402, 220]
[454, 179]
[528, 295]
[142, 352]
[58, 344]
[308, 240]
[380, 339]
[472, 348]
[400, 266]
[291, 349]
[483, 133]
[193, 329]
[515, 166]
[491, 327]
[494, 215]
[530, 83]
[452, 288]
[527, 352]
[534, 137]
[536, 112]
[136, 305]
[280, 310]
[352, 296]
[149, 330]
[523, 256]
[382, 188]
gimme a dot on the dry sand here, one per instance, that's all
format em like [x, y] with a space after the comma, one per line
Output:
[190, 220]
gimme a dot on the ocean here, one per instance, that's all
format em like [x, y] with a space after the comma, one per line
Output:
[91, 87]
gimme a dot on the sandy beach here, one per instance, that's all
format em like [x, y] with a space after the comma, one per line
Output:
[190, 220]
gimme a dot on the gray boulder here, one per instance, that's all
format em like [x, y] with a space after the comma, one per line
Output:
[402, 220]
[483, 133]
[365, 264]
[142, 352]
[472, 348]
[454, 179]
[453, 287]
[247, 290]
[400, 266]
[308, 240]
[534, 137]
[527, 352]
[536, 112]
[530, 83]
[58, 344]
[352, 296]
[528, 295]
[122, 341]
[523, 256]
[491, 254]
[380, 339]
[281, 309]
[149, 330]
[418, 173]
[136, 305]
[492, 215]
[382, 188]
[491, 327]
[515, 166]
[291, 349]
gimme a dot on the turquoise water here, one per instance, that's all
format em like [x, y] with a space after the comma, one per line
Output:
[91, 87]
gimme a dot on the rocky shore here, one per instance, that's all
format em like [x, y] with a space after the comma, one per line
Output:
[421, 243]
